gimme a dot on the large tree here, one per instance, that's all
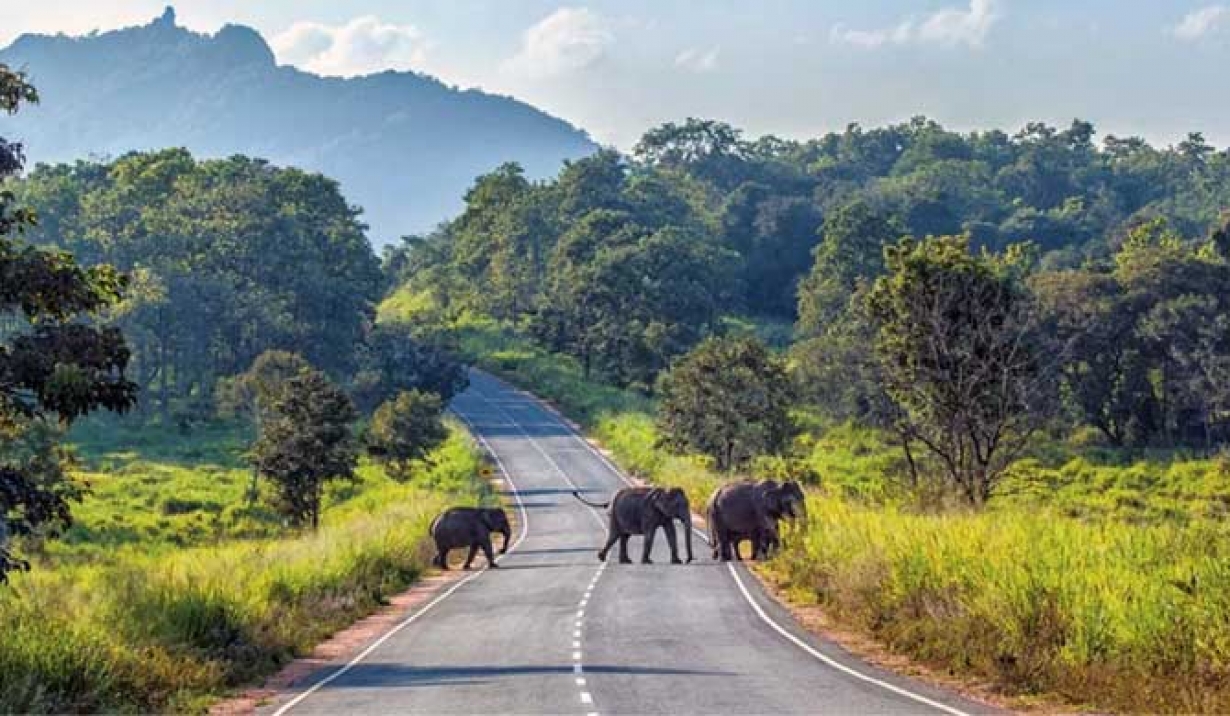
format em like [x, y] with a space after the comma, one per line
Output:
[728, 399]
[958, 346]
[55, 365]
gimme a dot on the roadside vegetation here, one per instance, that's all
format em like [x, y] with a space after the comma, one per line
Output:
[171, 588]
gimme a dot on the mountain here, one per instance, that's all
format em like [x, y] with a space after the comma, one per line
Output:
[404, 146]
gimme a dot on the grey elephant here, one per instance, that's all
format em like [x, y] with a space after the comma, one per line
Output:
[469, 527]
[641, 511]
[743, 510]
[766, 541]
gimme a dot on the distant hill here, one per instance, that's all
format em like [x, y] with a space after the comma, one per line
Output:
[404, 146]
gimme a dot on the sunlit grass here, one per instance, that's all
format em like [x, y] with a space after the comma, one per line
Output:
[151, 608]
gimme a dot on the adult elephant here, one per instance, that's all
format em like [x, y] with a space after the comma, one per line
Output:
[641, 511]
[469, 527]
[742, 510]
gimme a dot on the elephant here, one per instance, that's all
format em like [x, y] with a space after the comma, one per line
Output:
[765, 542]
[742, 510]
[641, 511]
[468, 527]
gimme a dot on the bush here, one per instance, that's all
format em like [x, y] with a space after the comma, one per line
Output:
[405, 430]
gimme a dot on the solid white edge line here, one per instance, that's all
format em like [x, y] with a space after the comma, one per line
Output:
[833, 662]
[525, 525]
[747, 595]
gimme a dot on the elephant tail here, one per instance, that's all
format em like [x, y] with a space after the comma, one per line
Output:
[599, 505]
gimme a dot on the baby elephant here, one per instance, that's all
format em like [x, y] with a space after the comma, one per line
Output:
[766, 541]
[468, 527]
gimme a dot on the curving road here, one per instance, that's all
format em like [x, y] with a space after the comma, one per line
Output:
[556, 632]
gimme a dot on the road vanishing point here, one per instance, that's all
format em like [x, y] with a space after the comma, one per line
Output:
[555, 631]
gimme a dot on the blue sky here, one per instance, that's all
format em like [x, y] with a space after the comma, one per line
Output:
[791, 67]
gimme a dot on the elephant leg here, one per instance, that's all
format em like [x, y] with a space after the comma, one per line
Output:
[648, 546]
[486, 545]
[470, 557]
[442, 556]
[610, 540]
[668, 528]
[721, 546]
[623, 549]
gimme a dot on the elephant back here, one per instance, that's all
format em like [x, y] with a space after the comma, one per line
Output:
[740, 506]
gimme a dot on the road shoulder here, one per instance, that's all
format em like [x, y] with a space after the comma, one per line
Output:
[337, 649]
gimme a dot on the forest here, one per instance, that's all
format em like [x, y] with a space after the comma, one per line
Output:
[1118, 253]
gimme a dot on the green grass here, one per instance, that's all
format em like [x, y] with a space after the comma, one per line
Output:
[1096, 576]
[169, 590]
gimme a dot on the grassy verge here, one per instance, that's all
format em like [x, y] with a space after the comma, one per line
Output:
[159, 601]
[1100, 579]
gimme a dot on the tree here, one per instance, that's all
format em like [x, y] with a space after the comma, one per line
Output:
[851, 251]
[306, 443]
[405, 430]
[54, 364]
[727, 399]
[393, 359]
[253, 393]
[1089, 319]
[957, 342]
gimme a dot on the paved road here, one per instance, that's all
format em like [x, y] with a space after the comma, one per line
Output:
[556, 632]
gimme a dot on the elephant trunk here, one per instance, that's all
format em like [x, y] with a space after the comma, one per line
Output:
[507, 532]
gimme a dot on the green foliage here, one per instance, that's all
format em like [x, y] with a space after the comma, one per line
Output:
[405, 430]
[958, 351]
[305, 442]
[393, 360]
[229, 258]
[728, 399]
[54, 363]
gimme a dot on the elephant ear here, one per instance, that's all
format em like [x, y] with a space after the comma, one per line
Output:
[658, 498]
[487, 517]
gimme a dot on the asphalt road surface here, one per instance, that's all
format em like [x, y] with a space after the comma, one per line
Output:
[554, 631]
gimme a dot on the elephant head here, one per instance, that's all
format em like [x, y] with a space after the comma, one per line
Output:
[792, 501]
[496, 521]
[781, 500]
[672, 503]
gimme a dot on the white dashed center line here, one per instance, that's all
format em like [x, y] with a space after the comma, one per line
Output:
[578, 668]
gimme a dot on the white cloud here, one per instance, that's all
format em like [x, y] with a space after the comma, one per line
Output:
[949, 27]
[362, 46]
[695, 60]
[1198, 23]
[871, 39]
[567, 40]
